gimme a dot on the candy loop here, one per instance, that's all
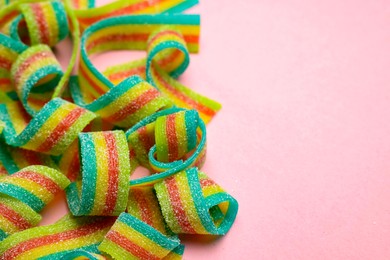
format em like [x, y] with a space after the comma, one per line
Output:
[35, 73]
[130, 238]
[51, 131]
[105, 170]
[175, 135]
[46, 21]
[167, 49]
[192, 203]
[142, 141]
[35, 186]
[141, 138]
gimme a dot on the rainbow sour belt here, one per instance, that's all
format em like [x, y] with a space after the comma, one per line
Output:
[105, 169]
[68, 234]
[194, 204]
[24, 194]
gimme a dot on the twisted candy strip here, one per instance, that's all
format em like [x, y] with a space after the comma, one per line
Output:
[51, 131]
[24, 194]
[192, 203]
[167, 56]
[127, 32]
[168, 50]
[130, 238]
[105, 171]
[167, 59]
[36, 186]
[125, 104]
[143, 136]
[68, 234]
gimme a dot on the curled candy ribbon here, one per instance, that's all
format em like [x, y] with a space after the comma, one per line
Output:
[24, 194]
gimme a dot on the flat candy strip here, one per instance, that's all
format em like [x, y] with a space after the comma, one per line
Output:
[192, 203]
[35, 186]
[130, 238]
[15, 216]
[87, 17]
[51, 131]
[125, 104]
[105, 169]
[68, 234]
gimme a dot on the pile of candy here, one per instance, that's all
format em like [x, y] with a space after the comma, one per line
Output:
[86, 134]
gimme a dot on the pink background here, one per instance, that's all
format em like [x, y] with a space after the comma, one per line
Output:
[303, 139]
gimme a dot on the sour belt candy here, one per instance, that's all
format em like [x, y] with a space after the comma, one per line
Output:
[130, 238]
[194, 204]
[56, 240]
[25, 193]
[164, 123]
[105, 170]
[151, 132]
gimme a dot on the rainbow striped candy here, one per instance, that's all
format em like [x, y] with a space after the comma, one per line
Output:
[105, 168]
[35, 73]
[82, 255]
[43, 22]
[168, 57]
[194, 204]
[142, 138]
[130, 238]
[15, 216]
[175, 135]
[69, 163]
[14, 159]
[57, 240]
[35, 186]
[125, 104]
[51, 131]
[127, 32]
[143, 204]
[46, 21]
[87, 17]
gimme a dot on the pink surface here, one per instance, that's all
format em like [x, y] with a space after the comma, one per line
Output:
[303, 139]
